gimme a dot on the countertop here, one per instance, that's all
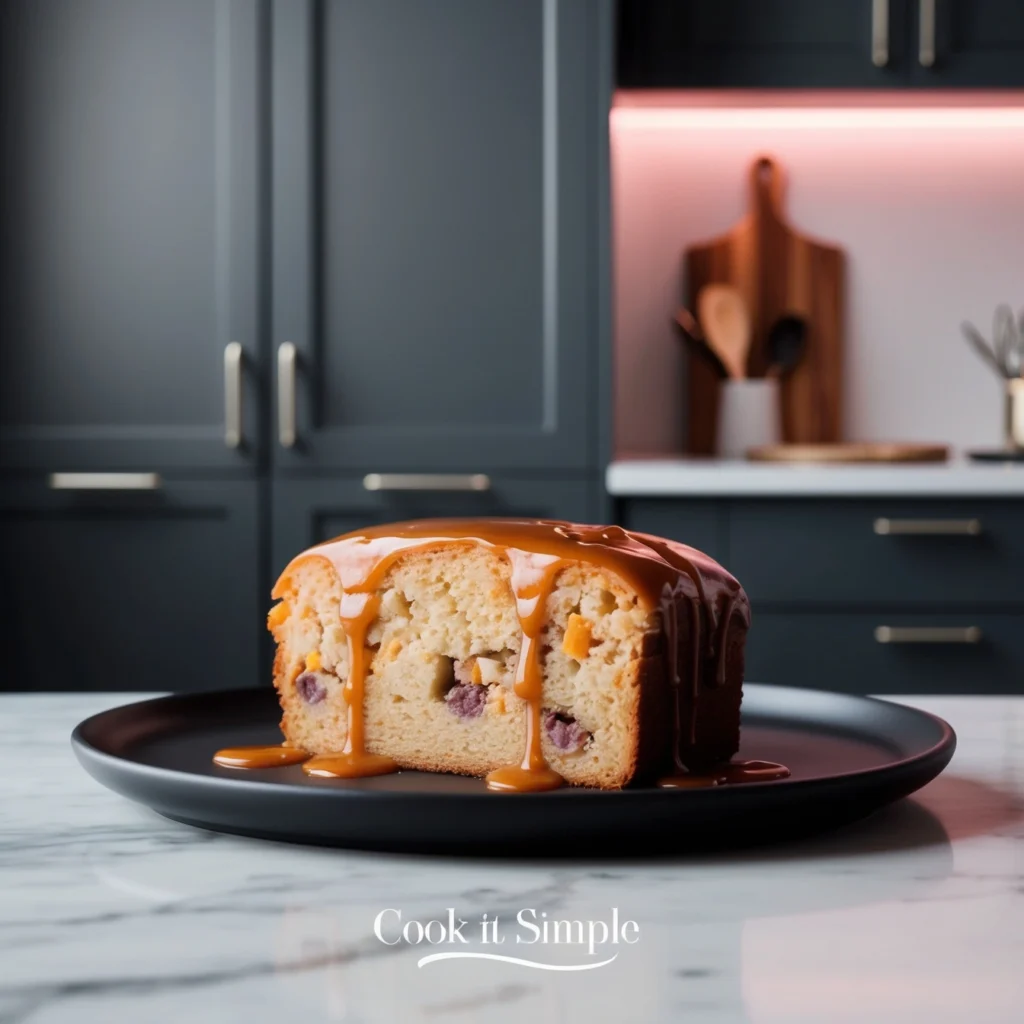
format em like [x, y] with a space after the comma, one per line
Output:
[708, 478]
[110, 913]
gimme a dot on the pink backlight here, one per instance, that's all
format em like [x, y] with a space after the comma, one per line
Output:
[924, 193]
[817, 118]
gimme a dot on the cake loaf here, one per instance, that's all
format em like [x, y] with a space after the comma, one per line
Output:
[530, 652]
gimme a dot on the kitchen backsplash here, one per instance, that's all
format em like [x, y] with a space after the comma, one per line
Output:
[929, 206]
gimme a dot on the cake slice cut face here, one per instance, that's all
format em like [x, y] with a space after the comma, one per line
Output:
[530, 652]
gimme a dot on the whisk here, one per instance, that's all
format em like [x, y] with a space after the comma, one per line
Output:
[1005, 356]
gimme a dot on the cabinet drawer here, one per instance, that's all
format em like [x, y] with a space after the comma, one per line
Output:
[131, 590]
[840, 552]
[306, 512]
[842, 652]
[701, 524]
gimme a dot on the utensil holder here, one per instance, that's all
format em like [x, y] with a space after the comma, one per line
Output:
[748, 416]
[1013, 417]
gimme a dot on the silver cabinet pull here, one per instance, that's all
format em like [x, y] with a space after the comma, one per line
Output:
[880, 33]
[105, 482]
[928, 634]
[427, 482]
[286, 356]
[233, 395]
[926, 29]
[928, 527]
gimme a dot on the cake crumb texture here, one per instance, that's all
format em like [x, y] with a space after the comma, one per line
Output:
[441, 661]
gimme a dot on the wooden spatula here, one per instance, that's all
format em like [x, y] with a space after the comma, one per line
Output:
[726, 322]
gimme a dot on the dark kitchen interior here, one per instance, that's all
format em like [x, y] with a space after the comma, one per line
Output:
[273, 271]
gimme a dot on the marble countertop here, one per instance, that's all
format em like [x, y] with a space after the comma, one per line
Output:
[736, 478]
[110, 913]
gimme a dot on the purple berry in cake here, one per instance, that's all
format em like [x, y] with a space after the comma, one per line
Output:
[466, 700]
[564, 731]
[310, 689]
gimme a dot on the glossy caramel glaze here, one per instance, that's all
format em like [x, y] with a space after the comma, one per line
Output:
[665, 576]
[260, 757]
[348, 766]
[732, 771]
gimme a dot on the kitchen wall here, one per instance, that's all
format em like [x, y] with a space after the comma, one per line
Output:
[929, 205]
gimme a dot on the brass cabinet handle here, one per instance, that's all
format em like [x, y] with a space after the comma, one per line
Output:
[286, 357]
[105, 482]
[926, 29]
[426, 482]
[233, 356]
[928, 634]
[928, 527]
[880, 33]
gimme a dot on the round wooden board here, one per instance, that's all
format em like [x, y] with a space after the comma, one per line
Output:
[852, 452]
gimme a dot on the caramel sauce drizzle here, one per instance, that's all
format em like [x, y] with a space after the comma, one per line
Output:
[358, 609]
[661, 573]
[259, 757]
[734, 771]
[533, 578]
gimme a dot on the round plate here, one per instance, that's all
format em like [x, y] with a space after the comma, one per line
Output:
[848, 756]
[850, 452]
[997, 455]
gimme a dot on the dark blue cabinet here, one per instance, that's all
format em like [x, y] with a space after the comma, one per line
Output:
[968, 43]
[130, 233]
[785, 44]
[410, 198]
[867, 595]
[759, 43]
[160, 588]
[889, 552]
[972, 651]
[437, 192]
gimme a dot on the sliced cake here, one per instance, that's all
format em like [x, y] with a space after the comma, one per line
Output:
[530, 652]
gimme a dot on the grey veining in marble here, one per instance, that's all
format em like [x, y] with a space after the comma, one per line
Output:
[110, 913]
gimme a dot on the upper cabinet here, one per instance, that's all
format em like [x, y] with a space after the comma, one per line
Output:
[976, 43]
[807, 43]
[437, 189]
[129, 234]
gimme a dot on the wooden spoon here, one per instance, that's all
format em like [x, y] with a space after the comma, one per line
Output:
[726, 322]
[690, 330]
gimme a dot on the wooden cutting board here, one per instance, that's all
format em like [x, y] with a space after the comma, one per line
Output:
[778, 271]
[868, 451]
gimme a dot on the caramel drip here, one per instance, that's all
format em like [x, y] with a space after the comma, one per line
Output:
[733, 772]
[661, 573]
[349, 765]
[357, 610]
[533, 578]
[259, 757]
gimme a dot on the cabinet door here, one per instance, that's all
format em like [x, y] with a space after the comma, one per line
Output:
[840, 651]
[131, 590]
[968, 43]
[129, 230]
[887, 552]
[761, 43]
[306, 512]
[435, 234]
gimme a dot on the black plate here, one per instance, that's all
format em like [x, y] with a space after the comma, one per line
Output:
[848, 756]
[997, 455]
